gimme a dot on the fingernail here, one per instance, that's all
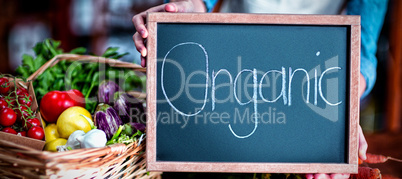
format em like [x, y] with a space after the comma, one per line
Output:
[143, 52]
[142, 32]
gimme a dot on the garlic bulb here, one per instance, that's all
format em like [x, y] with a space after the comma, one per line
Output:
[95, 138]
[72, 140]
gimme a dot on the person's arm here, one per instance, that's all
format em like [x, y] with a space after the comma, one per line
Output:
[174, 6]
[372, 14]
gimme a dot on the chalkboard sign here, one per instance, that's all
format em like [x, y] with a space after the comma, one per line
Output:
[252, 93]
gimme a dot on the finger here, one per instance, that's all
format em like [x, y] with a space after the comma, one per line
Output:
[179, 7]
[340, 176]
[170, 7]
[362, 145]
[138, 21]
[143, 62]
[322, 176]
[309, 176]
[139, 44]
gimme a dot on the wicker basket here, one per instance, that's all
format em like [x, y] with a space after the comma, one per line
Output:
[114, 161]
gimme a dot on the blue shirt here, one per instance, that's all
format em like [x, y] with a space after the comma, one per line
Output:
[372, 14]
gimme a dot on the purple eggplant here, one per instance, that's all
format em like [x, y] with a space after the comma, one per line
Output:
[129, 108]
[107, 119]
[106, 91]
[132, 127]
[138, 126]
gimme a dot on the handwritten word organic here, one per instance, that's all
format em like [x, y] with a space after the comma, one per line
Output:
[287, 75]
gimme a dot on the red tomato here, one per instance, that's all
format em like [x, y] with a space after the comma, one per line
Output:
[9, 130]
[3, 103]
[36, 133]
[54, 103]
[25, 99]
[76, 95]
[4, 85]
[11, 102]
[30, 123]
[21, 91]
[22, 133]
[7, 117]
[23, 113]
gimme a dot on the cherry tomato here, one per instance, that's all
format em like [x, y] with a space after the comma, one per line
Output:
[22, 133]
[36, 133]
[9, 130]
[3, 103]
[21, 91]
[23, 113]
[11, 102]
[25, 99]
[4, 85]
[7, 117]
[30, 123]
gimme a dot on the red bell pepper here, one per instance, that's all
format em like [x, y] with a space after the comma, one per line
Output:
[54, 103]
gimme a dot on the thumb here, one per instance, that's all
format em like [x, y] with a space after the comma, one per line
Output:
[170, 7]
[362, 145]
[179, 7]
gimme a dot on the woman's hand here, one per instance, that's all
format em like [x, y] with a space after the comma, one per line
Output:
[175, 6]
[326, 176]
[362, 144]
[362, 140]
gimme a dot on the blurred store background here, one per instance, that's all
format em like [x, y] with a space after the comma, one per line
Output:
[95, 25]
[98, 24]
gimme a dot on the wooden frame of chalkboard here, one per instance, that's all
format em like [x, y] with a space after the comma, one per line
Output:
[350, 165]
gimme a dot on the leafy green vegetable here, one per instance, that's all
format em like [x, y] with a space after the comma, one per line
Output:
[82, 76]
[128, 129]
[79, 50]
[122, 136]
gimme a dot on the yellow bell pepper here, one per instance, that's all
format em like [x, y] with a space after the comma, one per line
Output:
[53, 138]
[52, 145]
[51, 132]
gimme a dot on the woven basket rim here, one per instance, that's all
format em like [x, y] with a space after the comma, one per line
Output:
[117, 160]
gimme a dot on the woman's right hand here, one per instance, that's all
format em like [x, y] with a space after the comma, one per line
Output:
[140, 19]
